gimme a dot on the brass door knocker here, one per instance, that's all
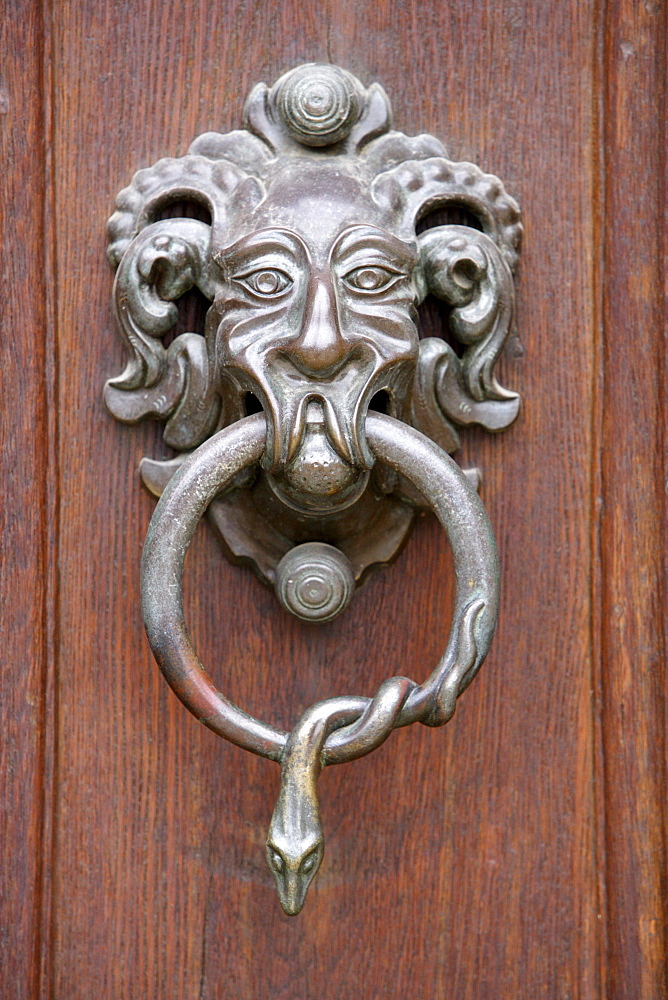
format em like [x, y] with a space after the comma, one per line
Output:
[314, 265]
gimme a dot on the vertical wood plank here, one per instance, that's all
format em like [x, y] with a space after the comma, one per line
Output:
[25, 512]
[632, 522]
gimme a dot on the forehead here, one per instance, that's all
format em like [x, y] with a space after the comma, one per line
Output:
[316, 203]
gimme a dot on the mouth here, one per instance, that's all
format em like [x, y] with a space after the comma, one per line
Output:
[320, 475]
[317, 459]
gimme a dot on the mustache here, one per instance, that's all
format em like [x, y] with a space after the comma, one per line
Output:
[343, 425]
[318, 410]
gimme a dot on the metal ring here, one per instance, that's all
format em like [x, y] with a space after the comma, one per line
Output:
[177, 515]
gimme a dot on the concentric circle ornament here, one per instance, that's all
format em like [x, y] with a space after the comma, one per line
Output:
[318, 105]
[315, 581]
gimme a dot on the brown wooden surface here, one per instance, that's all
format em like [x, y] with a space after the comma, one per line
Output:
[517, 854]
[633, 676]
[27, 346]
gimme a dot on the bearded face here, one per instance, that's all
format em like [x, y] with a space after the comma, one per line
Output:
[313, 265]
[315, 315]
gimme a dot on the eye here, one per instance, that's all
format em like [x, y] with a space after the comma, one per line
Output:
[268, 281]
[310, 862]
[277, 862]
[371, 278]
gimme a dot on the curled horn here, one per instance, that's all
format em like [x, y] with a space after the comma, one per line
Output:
[189, 178]
[160, 261]
[416, 187]
[165, 260]
[472, 272]
[466, 269]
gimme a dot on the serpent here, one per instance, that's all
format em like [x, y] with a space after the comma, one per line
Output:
[295, 843]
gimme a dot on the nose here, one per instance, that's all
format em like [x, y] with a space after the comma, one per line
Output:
[319, 350]
[293, 895]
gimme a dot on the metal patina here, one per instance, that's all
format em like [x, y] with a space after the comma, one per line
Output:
[314, 265]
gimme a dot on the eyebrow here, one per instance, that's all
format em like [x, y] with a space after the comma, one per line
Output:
[372, 239]
[264, 241]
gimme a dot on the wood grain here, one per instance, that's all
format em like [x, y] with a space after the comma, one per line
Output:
[26, 513]
[633, 494]
[519, 853]
[459, 862]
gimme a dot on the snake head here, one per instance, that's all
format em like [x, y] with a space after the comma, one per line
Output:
[294, 866]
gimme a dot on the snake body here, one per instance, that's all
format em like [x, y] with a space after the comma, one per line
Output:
[295, 844]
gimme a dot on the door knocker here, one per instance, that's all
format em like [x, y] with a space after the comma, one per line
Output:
[309, 418]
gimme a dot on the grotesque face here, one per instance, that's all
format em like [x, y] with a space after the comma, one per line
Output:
[315, 315]
[313, 265]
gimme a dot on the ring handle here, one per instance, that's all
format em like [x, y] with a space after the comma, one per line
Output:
[338, 729]
[208, 470]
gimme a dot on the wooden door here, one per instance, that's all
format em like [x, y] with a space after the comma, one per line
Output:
[520, 852]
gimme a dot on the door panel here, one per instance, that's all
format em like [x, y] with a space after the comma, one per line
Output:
[27, 509]
[518, 852]
[631, 588]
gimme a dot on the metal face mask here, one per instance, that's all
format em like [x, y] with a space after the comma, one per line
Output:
[314, 268]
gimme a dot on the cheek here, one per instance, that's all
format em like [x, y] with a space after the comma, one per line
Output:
[246, 327]
[389, 324]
